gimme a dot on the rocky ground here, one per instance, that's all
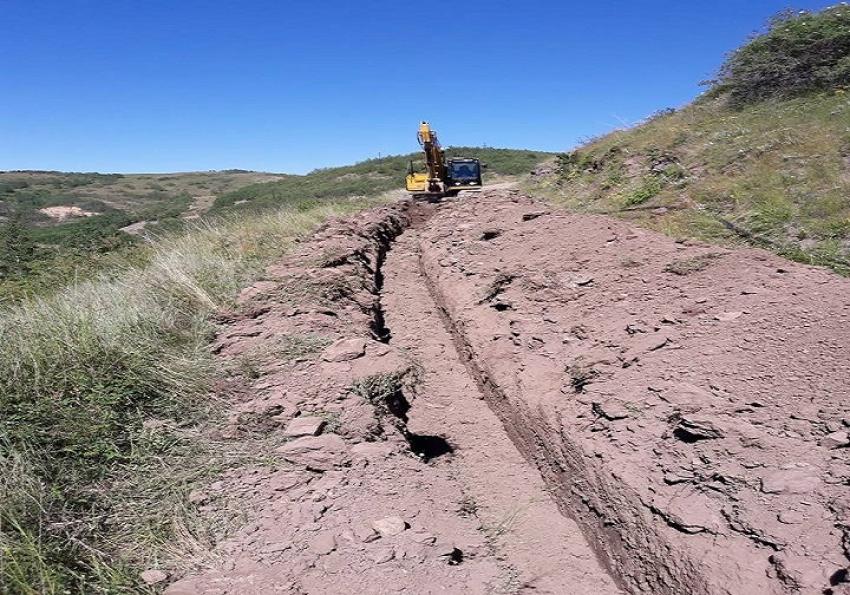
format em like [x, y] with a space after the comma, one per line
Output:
[486, 396]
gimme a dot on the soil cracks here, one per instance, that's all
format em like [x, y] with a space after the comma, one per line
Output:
[544, 549]
[485, 397]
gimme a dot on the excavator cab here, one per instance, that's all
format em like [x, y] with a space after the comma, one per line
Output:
[464, 174]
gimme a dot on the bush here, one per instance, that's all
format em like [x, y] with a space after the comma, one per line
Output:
[799, 53]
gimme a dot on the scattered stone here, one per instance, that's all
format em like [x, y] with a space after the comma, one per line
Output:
[533, 215]
[790, 481]
[422, 537]
[345, 350]
[153, 576]
[382, 555]
[448, 553]
[320, 453]
[366, 534]
[304, 426]
[728, 316]
[389, 526]
[611, 410]
[693, 430]
[580, 280]
[273, 548]
[372, 450]
[835, 440]
[182, 588]
[791, 517]
[322, 544]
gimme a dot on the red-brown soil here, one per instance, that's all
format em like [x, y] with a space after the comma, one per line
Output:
[510, 399]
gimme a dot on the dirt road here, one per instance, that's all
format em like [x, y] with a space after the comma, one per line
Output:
[485, 396]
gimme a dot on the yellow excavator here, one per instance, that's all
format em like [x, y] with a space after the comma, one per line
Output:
[443, 177]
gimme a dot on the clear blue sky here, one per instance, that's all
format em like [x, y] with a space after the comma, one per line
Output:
[290, 85]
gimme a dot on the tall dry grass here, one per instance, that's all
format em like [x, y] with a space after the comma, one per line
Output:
[81, 370]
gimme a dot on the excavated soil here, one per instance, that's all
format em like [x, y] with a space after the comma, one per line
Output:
[486, 396]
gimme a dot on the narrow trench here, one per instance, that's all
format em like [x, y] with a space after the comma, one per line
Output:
[379, 324]
[426, 447]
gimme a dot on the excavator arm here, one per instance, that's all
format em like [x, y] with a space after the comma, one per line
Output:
[432, 180]
[441, 178]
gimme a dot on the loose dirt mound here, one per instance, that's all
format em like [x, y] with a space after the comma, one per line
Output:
[513, 399]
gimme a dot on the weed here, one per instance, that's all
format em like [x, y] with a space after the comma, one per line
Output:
[649, 188]
[283, 348]
[581, 375]
[687, 266]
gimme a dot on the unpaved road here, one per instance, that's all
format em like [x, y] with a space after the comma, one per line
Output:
[517, 400]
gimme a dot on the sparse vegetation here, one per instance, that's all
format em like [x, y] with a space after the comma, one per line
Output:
[774, 173]
[367, 178]
[84, 371]
[581, 374]
[687, 266]
[284, 348]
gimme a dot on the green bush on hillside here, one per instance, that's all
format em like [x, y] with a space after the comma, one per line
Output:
[801, 52]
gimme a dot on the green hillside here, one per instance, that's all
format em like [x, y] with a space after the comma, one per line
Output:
[40, 252]
[763, 158]
[368, 178]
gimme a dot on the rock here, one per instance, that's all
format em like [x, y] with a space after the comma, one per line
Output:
[693, 430]
[801, 480]
[366, 534]
[372, 450]
[273, 548]
[382, 555]
[688, 397]
[611, 410]
[320, 453]
[791, 517]
[153, 576]
[322, 544]
[422, 537]
[577, 280]
[728, 316]
[184, 587]
[835, 440]
[345, 350]
[389, 526]
[533, 215]
[304, 426]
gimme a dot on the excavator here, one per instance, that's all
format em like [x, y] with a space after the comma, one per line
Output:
[443, 177]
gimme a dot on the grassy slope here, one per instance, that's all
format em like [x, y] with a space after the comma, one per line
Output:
[775, 174]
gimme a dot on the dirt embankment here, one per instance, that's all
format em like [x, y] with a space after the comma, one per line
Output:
[687, 404]
[360, 497]
[487, 397]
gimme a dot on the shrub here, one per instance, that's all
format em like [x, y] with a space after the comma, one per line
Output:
[799, 53]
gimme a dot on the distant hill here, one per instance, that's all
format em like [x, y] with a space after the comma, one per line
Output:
[56, 227]
[368, 178]
[763, 158]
